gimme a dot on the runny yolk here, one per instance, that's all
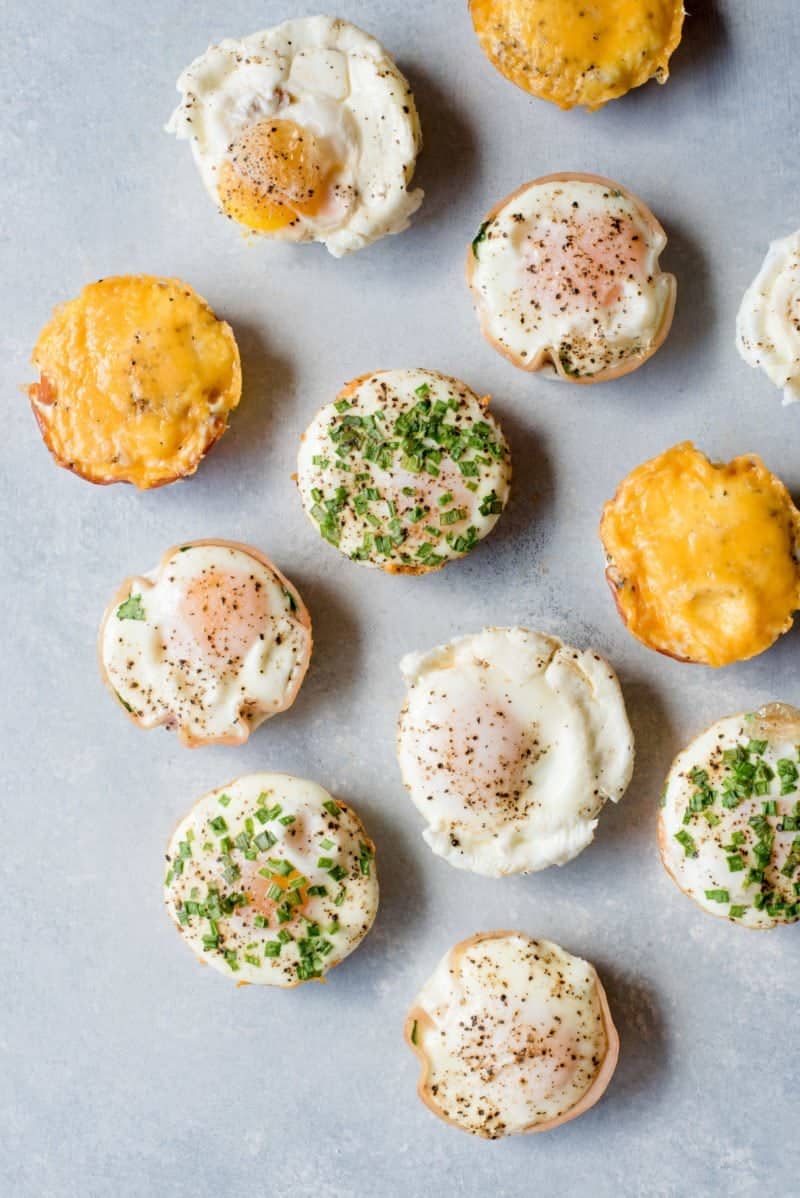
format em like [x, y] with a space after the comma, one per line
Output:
[223, 613]
[276, 172]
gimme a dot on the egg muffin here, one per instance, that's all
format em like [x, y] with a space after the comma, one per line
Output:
[513, 1035]
[576, 53]
[703, 557]
[510, 743]
[271, 881]
[566, 280]
[210, 644]
[137, 377]
[405, 471]
[768, 322]
[729, 824]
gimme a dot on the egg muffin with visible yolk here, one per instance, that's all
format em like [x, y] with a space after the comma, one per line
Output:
[513, 1035]
[211, 643]
[271, 881]
[566, 279]
[137, 380]
[702, 556]
[579, 52]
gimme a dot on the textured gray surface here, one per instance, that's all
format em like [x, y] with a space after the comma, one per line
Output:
[124, 1068]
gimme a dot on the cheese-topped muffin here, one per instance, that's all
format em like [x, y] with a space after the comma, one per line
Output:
[729, 825]
[211, 643]
[510, 743]
[272, 881]
[703, 557]
[513, 1035]
[768, 323]
[572, 52]
[304, 132]
[137, 379]
[566, 279]
[406, 470]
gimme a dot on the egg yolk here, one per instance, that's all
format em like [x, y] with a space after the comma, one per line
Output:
[265, 901]
[276, 172]
[224, 614]
[579, 263]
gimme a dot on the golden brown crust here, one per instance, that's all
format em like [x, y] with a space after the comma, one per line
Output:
[301, 614]
[417, 1016]
[66, 446]
[624, 584]
[546, 359]
[569, 65]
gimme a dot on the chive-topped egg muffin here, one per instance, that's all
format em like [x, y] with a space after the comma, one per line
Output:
[304, 132]
[566, 280]
[137, 378]
[509, 744]
[573, 52]
[272, 881]
[211, 643]
[729, 824]
[406, 470]
[768, 324]
[702, 557]
[513, 1035]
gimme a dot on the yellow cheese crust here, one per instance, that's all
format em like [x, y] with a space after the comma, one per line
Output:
[702, 557]
[579, 51]
[137, 377]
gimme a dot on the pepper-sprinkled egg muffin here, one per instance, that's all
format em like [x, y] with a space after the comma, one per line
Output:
[768, 324]
[137, 377]
[513, 1035]
[702, 556]
[510, 743]
[573, 52]
[406, 470]
[729, 826]
[566, 280]
[304, 132]
[211, 643]
[272, 881]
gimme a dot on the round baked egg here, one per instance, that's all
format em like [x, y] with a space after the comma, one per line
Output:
[729, 824]
[702, 557]
[566, 280]
[768, 324]
[137, 378]
[304, 132]
[509, 744]
[406, 470]
[576, 53]
[210, 644]
[513, 1035]
[271, 881]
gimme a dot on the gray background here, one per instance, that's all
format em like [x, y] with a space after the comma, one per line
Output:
[124, 1068]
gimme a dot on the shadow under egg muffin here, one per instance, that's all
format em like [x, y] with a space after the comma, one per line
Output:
[702, 557]
[405, 471]
[509, 744]
[271, 881]
[513, 1035]
[137, 380]
[211, 643]
[729, 818]
[576, 53]
[304, 132]
[566, 280]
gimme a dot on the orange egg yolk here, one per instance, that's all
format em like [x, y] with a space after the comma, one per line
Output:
[263, 899]
[276, 172]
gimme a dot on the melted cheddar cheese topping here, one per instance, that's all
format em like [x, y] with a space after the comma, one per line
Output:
[702, 558]
[574, 52]
[137, 377]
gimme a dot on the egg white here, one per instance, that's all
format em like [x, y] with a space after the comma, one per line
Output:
[216, 676]
[333, 79]
[768, 322]
[509, 744]
[514, 1035]
[235, 843]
